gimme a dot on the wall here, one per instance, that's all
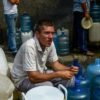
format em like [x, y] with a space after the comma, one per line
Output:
[58, 11]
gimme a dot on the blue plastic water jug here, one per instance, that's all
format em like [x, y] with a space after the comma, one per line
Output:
[80, 66]
[95, 83]
[78, 92]
[96, 94]
[55, 40]
[93, 69]
[83, 78]
[95, 12]
[18, 39]
[25, 23]
[63, 44]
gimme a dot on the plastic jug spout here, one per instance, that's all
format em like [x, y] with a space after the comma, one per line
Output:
[77, 85]
[97, 61]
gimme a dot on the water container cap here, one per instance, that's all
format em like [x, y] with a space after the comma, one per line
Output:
[63, 33]
[97, 61]
[78, 82]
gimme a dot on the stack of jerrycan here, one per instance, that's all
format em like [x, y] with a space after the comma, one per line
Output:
[94, 31]
[78, 92]
[80, 66]
[93, 69]
[26, 32]
[1, 37]
[55, 40]
[94, 85]
[63, 44]
[6, 86]
[84, 80]
[18, 38]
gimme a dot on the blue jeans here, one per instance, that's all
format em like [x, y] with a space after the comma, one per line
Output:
[11, 21]
[79, 34]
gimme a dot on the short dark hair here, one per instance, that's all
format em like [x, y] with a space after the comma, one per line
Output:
[42, 23]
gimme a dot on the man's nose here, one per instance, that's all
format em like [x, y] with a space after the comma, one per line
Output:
[51, 35]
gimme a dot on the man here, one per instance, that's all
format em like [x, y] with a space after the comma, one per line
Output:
[80, 10]
[29, 68]
[10, 12]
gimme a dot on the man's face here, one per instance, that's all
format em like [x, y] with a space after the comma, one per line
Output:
[46, 36]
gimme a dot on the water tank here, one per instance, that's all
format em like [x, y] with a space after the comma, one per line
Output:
[78, 92]
[55, 40]
[63, 44]
[95, 83]
[93, 69]
[94, 32]
[96, 94]
[25, 21]
[18, 38]
[80, 66]
[95, 12]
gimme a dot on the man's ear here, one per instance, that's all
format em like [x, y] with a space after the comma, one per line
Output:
[37, 34]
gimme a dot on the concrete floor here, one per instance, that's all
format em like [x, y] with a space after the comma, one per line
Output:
[66, 60]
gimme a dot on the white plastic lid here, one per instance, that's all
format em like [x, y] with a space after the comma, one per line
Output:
[86, 24]
[45, 93]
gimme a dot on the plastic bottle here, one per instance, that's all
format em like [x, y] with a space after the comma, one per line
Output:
[78, 92]
[63, 44]
[80, 66]
[55, 40]
[93, 69]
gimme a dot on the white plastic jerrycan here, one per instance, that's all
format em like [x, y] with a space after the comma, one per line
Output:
[4, 69]
[6, 88]
[46, 93]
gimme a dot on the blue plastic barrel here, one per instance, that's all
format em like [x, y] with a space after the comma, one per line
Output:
[55, 40]
[93, 69]
[25, 21]
[80, 66]
[63, 44]
[78, 92]
[96, 94]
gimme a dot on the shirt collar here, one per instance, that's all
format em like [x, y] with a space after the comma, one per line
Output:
[38, 44]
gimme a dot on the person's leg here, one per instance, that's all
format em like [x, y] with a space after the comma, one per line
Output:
[26, 85]
[11, 21]
[75, 36]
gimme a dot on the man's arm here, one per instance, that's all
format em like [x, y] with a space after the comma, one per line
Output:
[59, 67]
[14, 2]
[85, 10]
[41, 77]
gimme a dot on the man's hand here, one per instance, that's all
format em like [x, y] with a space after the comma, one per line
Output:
[74, 69]
[87, 16]
[66, 75]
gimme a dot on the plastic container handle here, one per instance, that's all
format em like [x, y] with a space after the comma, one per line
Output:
[62, 87]
[24, 97]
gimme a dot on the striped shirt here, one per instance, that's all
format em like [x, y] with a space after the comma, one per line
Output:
[30, 57]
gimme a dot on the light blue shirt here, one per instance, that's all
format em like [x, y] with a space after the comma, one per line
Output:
[77, 5]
